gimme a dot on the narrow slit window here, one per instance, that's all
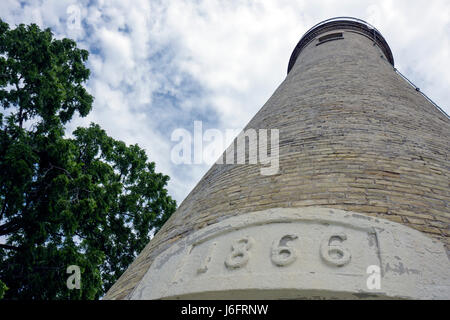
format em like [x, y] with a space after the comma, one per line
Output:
[330, 37]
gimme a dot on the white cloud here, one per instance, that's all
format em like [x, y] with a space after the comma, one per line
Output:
[159, 65]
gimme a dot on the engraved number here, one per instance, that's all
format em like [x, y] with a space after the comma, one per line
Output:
[240, 254]
[282, 254]
[204, 266]
[335, 254]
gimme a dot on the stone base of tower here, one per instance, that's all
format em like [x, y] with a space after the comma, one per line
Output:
[302, 253]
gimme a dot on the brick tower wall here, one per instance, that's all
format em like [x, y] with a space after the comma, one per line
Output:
[353, 135]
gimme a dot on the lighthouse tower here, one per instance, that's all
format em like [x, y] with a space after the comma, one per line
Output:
[359, 207]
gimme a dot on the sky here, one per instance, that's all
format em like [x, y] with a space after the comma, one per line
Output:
[157, 66]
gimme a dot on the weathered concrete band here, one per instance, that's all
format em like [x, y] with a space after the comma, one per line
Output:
[299, 253]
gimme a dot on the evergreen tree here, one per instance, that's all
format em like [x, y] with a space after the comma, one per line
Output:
[89, 201]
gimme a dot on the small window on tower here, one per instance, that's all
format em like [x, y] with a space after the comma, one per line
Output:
[330, 37]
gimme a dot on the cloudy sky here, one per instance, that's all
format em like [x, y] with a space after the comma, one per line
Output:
[160, 65]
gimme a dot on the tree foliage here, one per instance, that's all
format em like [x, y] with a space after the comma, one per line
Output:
[89, 200]
[3, 289]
